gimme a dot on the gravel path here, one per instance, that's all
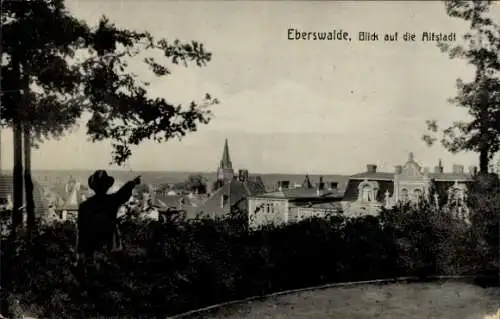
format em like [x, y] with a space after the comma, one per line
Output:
[410, 301]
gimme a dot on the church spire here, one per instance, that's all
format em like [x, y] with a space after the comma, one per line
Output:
[225, 171]
[226, 160]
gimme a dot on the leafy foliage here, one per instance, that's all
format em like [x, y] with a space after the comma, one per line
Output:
[61, 68]
[485, 198]
[182, 264]
[481, 97]
[196, 183]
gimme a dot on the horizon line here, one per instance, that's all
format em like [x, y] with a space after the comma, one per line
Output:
[177, 171]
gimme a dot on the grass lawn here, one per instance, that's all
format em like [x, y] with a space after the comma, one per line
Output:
[415, 300]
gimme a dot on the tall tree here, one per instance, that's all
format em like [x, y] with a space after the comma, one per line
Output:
[47, 86]
[196, 183]
[481, 96]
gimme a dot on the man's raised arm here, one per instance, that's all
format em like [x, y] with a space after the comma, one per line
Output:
[124, 193]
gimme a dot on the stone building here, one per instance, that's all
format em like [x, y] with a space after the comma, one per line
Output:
[290, 204]
[7, 195]
[369, 191]
[232, 190]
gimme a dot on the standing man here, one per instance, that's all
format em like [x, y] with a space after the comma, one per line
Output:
[96, 224]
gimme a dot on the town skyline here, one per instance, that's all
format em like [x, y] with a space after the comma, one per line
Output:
[288, 106]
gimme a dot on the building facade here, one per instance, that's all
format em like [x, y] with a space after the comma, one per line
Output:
[7, 197]
[370, 191]
[231, 192]
[291, 205]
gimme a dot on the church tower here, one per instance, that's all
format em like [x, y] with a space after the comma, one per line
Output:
[225, 171]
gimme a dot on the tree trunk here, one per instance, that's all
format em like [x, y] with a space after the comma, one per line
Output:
[28, 182]
[17, 216]
[17, 128]
[483, 162]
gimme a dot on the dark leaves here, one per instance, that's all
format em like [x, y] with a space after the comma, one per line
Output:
[481, 96]
[157, 68]
[184, 53]
[428, 139]
[154, 120]
[41, 39]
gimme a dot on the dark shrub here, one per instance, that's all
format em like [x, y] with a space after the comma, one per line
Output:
[178, 265]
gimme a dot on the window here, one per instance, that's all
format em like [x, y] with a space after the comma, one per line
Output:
[268, 208]
[223, 201]
[366, 193]
[459, 194]
[417, 193]
[404, 195]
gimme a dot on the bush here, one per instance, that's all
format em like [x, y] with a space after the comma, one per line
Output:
[179, 265]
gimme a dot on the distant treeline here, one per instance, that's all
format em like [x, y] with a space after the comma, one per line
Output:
[50, 177]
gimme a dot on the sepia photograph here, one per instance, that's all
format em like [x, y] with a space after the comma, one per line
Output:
[249, 159]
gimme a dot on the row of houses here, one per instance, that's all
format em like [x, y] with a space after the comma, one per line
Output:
[365, 193]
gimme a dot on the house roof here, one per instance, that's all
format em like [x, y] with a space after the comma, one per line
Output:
[300, 193]
[320, 205]
[307, 182]
[351, 192]
[7, 189]
[64, 201]
[411, 167]
[168, 201]
[451, 177]
[373, 176]
[442, 182]
[236, 191]
[175, 201]
[445, 176]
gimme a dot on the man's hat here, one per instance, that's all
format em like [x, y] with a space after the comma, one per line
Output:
[100, 180]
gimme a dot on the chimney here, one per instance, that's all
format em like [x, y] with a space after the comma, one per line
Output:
[457, 169]
[283, 185]
[321, 185]
[243, 175]
[439, 167]
[371, 168]
[473, 170]
[333, 185]
[399, 169]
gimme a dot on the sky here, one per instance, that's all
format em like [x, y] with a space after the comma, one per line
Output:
[287, 106]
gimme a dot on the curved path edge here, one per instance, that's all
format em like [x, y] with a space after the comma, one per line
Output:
[320, 287]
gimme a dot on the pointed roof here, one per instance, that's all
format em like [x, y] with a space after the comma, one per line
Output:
[235, 191]
[7, 191]
[226, 160]
[307, 182]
